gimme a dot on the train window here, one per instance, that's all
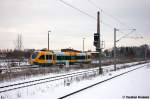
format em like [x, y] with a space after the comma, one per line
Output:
[80, 57]
[67, 57]
[42, 57]
[34, 55]
[48, 57]
[60, 57]
[63, 57]
[73, 57]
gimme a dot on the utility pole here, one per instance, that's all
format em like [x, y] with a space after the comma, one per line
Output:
[83, 44]
[48, 40]
[19, 42]
[115, 41]
[145, 52]
[99, 42]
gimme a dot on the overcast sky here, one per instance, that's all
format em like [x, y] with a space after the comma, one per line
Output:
[33, 19]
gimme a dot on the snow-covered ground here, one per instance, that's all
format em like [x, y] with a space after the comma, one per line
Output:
[133, 85]
[30, 78]
[6, 64]
[115, 90]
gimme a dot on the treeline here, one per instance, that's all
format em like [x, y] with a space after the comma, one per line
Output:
[142, 51]
[15, 54]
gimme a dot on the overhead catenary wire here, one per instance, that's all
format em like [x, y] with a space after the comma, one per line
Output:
[125, 35]
[108, 14]
[104, 23]
[117, 20]
[93, 17]
[85, 13]
[133, 38]
[77, 9]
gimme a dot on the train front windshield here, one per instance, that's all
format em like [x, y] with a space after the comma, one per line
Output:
[34, 55]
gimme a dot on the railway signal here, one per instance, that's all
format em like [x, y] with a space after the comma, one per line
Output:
[96, 39]
[97, 42]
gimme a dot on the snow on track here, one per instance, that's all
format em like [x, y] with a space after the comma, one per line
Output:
[134, 84]
[27, 79]
[57, 89]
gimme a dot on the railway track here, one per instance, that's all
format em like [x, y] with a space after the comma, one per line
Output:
[15, 86]
[19, 67]
[44, 80]
[100, 82]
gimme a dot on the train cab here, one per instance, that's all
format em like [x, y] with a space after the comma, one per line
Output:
[42, 58]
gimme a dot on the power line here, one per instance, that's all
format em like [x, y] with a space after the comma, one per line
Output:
[137, 37]
[116, 19]
[78, 9]
[138, 42]
[110, 15]
[126, 35]
[93, 17]
[85, 13]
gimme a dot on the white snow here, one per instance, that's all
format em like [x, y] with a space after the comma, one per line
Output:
[128, 84]
[30, 78]
[136, 84]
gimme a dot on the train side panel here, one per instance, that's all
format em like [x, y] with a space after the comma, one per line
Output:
[50, 58]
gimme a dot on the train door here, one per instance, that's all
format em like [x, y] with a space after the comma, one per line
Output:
[49, 59]
[54, 59]
[42, 59]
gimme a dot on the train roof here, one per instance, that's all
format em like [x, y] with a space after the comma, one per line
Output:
[39, 51]
[60, 52]
[69, 50]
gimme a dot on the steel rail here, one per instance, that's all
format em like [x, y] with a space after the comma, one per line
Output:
[75, 92]
[49, 79]
[44, 80]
